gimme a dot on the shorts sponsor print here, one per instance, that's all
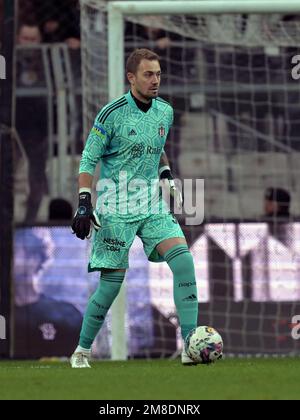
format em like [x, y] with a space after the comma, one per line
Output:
[111, 244]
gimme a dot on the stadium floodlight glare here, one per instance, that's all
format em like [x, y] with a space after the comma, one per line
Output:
[235, 178]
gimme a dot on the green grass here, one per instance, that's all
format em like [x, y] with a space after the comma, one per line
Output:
[157, 379]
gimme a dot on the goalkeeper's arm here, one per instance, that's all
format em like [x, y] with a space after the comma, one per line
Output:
[85, 214]
[165, 174]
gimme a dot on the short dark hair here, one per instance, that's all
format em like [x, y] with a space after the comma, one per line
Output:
[139, 54]
[279, 195]
[30, 21]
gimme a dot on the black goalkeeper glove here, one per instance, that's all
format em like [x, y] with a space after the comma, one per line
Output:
[166, 176]
[84, 217]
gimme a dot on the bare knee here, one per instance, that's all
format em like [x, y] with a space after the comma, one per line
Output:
[113, 270]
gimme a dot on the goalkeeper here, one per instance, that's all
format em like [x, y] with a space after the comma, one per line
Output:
[128, 138]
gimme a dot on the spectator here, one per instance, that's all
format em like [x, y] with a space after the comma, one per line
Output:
[29, 33]
[277, 203]
[59, 20]
[43, 326]
[31, 115]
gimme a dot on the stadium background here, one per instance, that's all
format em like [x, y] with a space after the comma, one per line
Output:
[237, 124]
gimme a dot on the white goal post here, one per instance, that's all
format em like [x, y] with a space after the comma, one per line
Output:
[116, 13]
[118, 9]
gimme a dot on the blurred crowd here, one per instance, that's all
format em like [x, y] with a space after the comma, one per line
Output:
[51, 20]
[40, 22]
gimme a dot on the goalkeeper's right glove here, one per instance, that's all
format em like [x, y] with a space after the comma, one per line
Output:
[166, 176]
[85, 217]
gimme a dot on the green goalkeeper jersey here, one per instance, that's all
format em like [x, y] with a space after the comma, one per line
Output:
[128, 143]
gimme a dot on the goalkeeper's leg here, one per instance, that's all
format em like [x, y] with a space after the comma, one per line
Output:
[181, 263]
[97, 308]
[163, 239]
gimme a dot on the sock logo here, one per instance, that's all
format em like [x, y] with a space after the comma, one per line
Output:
[187, 284]
[190, 298]
[98, 317]
[98, 305]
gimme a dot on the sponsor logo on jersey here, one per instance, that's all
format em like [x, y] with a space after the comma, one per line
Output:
[114, 245]
[137, 150]
[154, 150]
[132, 133]
[112, 241]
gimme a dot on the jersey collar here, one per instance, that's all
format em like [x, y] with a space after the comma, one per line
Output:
[132, 103]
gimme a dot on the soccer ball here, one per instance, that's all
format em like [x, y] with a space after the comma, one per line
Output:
[204, 345]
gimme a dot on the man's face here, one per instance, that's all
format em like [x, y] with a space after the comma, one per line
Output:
[271, 207]
[145, 82]
[29, 35]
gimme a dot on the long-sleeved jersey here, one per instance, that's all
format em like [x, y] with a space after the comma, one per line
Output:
[128, 143]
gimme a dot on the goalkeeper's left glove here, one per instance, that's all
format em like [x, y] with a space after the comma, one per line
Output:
[166, 176]
[85, 217]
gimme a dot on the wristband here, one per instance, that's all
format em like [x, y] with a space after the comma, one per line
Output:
[85, 190]
[163, 168]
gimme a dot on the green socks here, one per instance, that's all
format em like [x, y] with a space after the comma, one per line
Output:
[181, 263]
[98, 305]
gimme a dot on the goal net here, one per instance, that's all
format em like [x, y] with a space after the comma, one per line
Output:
[234, 82]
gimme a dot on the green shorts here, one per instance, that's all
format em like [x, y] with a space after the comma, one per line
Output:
[112, 242]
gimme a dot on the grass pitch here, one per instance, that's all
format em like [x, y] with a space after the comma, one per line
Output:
[231, 379]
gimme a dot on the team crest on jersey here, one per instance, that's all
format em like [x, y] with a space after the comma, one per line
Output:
[161, 131]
